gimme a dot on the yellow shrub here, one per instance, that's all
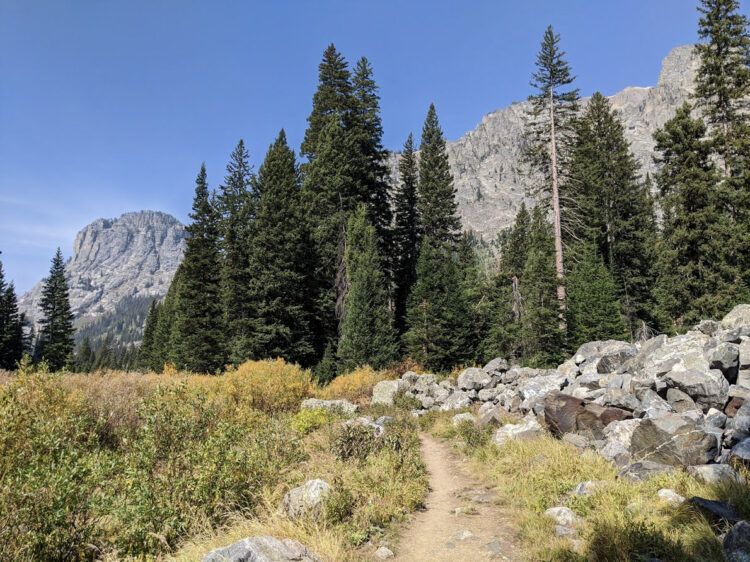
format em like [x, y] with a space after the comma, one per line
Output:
[355, 386]
[269, 386]
[309, 420]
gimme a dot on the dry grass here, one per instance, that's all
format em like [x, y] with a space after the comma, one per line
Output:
[355, 386]
[624, 520]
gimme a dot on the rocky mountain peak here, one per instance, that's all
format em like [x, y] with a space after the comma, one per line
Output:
[130, 258]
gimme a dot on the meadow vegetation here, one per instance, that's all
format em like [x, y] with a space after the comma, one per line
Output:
[121, 465]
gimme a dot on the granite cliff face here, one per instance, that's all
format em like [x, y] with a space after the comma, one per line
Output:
[486, 161]
[129, 259]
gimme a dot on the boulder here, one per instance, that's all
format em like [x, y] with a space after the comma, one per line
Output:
[561, 412]
[652, 405]
[535, 389]
[425, 384]
[563, 516]
[709, 389]
[713, 473]
[616, 452]
[670, 496]
[739, 316]
[497, 365]
[621, 431]
[488, 394]
[490, 414]
[473, 378]
[741, 452]
[673, 439]
[618, 398]
[594, 418]
[715, 418]
[385, 392]
[306, 500]
[736, 543]
[466, 417]
[457, 400]
[742, 418]
[528, 428]
[708, 327]
[410, 377]
[643, 470]
[262, 549]
[715, 511]
[680, 401]
[342, 406]
[726, 358]
[744, 352]
[384, 553]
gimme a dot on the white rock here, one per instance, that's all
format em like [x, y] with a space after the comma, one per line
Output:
[562, 516]
[670, 496]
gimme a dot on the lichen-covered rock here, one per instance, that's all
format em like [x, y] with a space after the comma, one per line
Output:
[473, 378]
[713, 473]
[263, 549]
[306, 500]
[457, 400]
[385, 392]
[528, 428]
[739, 316]
[496, 366]
[563, 516]
[673, 439]
[709, 389]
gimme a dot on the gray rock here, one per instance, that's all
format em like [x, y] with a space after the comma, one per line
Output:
[713, 473]
[426, 383]
[457, 400]
[708, 327]
[616, 452]
[563, 516]
[673, 439]
[473, 378]
[497, 365]
[670, 496]
[488, 394]
[739, 316]
[343, 406]
[741, 452]
[736, 543]
[742, 418]
[680, 401]
[652, 405]
[536, 388]
[578, 441]
[716, 418]
[726, 358]
[744, 353]
[410, 377]
[622, 431]
[643, 470]
[588, 488]
[619, 399]
[263, 549]
[306, 500]
[490, 414]
[715, 511]
[384, 553]
[528, 428]
[709, 389]
[385, 392]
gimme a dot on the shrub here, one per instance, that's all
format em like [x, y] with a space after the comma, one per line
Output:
[354, 441]
[473, 435]
[269, 386]
[308, 420]
[355, 386]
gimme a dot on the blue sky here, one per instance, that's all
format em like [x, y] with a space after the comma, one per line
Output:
[107, 107]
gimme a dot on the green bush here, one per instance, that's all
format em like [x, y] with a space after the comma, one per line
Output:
[307, 421]
[354, 441]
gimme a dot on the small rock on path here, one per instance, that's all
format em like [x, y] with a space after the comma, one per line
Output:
[480, 531]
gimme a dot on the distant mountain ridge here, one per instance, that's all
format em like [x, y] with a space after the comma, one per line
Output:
[129, 260]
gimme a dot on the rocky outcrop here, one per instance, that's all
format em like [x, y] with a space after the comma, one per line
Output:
[130, 258]
[490, 179]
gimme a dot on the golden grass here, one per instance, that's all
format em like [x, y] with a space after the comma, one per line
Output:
[355, 386]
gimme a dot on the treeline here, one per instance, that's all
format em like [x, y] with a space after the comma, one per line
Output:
[327, 264]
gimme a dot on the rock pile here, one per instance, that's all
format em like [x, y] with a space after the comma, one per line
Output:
[667, 402]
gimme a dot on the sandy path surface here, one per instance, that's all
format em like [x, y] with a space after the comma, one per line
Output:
[462, 521]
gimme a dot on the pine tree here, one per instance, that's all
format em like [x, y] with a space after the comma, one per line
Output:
[56, 325]
[330, 194]
[593, 311]
[235, 203]
[606, 205]
[405, 232]
[199, 315]
[554, 107]
[11, 327]
[367, 129]
[502, 337]
[333, 98]
[541, 334]
[438, 316]
[147, 350]
[437, 207]
[166, 338]
[696, 277]
[367, 334]
[84, 356]
[281, 263]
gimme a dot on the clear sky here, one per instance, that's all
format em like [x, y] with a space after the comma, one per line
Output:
[107, 106]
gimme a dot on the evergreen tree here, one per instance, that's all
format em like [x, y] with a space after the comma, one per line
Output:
[11, 327]
[541, 335]
[502, 337]
[330, 194]
[84, 356]
[553, 109]
[333, 98]
[405, 232]
[166, 337]
[606, 205]
[199, 317]
[696, 278]
[235, 203]
[147, 350]
[593, 311]
[474, 289]
[281, 263]
[438, 317]
[437, 207]
[367, 334]
[367, 129]
[56, 325]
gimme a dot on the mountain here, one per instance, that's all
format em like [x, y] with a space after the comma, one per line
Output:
[486, 162]
[118, 266]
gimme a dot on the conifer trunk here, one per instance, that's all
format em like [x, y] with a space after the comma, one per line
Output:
[559, 266]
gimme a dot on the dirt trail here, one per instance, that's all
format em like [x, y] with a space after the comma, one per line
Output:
[462, 521]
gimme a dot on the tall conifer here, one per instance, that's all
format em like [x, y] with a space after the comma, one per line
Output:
[56, 325]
